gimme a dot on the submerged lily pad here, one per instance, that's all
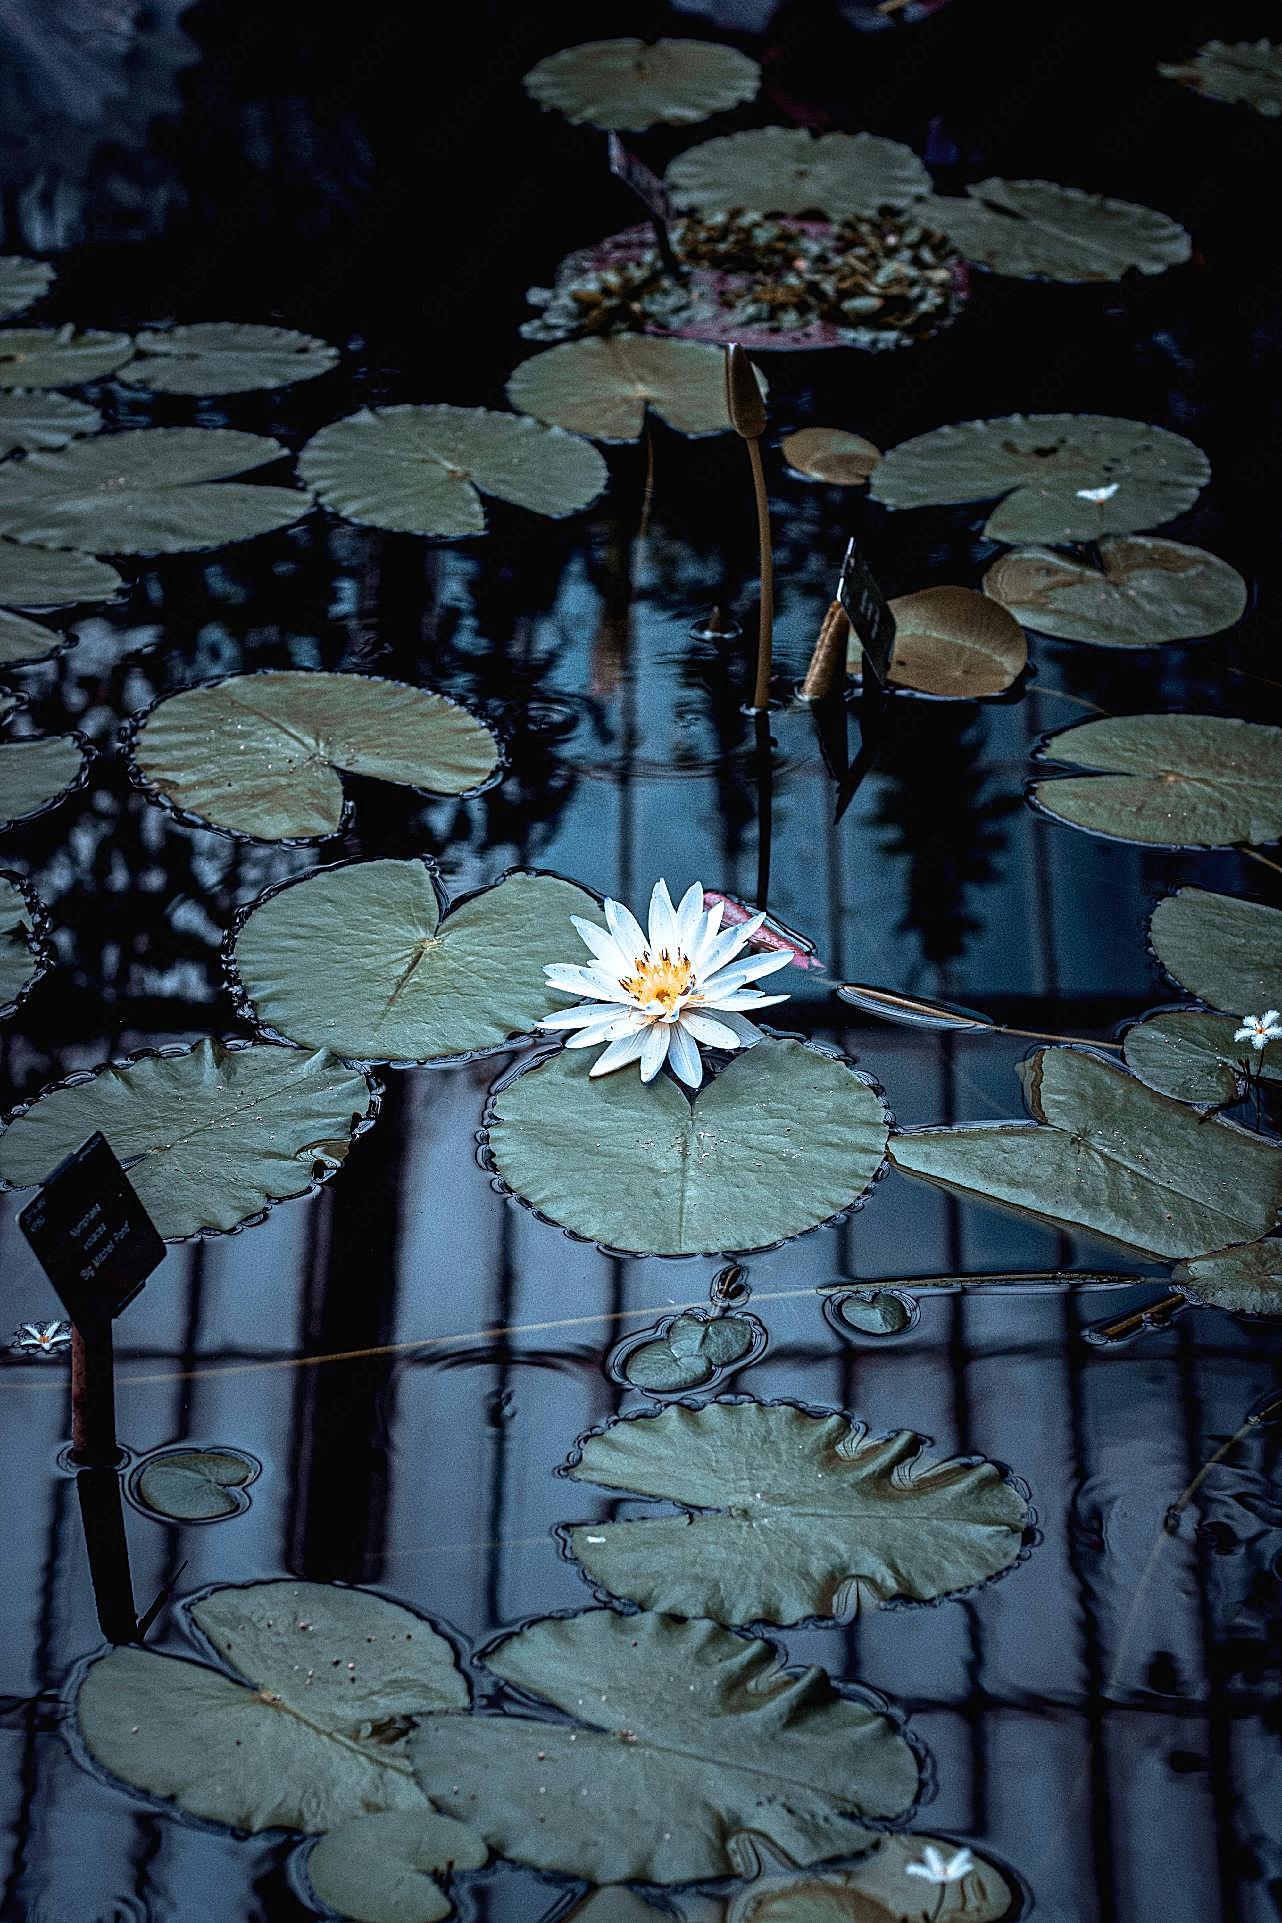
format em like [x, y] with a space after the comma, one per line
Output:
[634, 83]
[830, 454]
[357, 959]
[1226, 951]
[783, 1139]
[1247, 73]
[417, 470]
[210, 1137]
[38, 419]
[688, 1352]
[22, 282]
[195, 1485]
[1246, 1280]
[765, 1543]
[785, 170]
[259, 754]
[25, 954]
[1173, 780]
[602, 388]
[948, 644]
[1040, 464]
[873, 1890]
[304, 1742]
[59, 356]
[146, 491]
[384, 1868]
[1036, 230]
[716, 1737]
[1147, 591]
[1113, 1157]
[226, 357]
[1192, 1056]
[37, 773]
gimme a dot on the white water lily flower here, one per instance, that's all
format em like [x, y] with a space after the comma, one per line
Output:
[1260, 1030]
[656, 997]
[939, 1868]
[1100, 494]
[41, 1338]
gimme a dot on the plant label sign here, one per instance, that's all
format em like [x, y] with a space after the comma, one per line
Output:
[92, 1235]
[652, 194]
[867, 611]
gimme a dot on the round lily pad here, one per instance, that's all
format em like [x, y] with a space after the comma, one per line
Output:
[1247, 1280]
[22, 282]
[195, 1485]
[25, 953]
[226, 357]
[357, 959]
[1192, 1056]
[948, 644]
[830, 454]
[59, 356]
[602, 388]
[259, 754]
[1146, 591]
[784, 1138]
[633, 84]
[1172, 780]
[1226, 951]
[385, 1868]
[687, 1352]
[872, 1311]
[37, 773]
[1247, 73]
[1044, 466]
[1035, 230]
[41, 419]
[210, 1136]
[785, 170]
[22, 640]
[417, 470]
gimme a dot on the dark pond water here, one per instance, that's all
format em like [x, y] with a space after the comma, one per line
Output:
[410, 1355]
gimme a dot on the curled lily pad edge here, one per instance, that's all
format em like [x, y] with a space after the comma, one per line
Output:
[39, 940]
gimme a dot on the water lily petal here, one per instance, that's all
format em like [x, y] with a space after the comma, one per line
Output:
[609, 1031]
[728, 944]
[707, 934]
[589, 980]
[654, 1048]
[711, 1034]
[603, 945]
[625, 928]
[626, 1049]
[578, 1017]
[663, 919]
[747, 1032]
[750, 969]
[741, 998]
[684, 1057]
[690, 917]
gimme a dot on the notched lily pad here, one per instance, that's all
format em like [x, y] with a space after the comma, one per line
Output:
[785, 170]
[873, 1890]
[1171, 780]
[1192, 1056]
[687, 1351]
[259, 754]
[1246, 1280]
[948, 644]
[195, 1485]
[634, 84]
[59, 356]
[1226, 951]
[875, 1312]
[1146, 591]
[385, 1868]
[1036, 230]
[29, 421]
[22, 282]
[25, 952]
[830, 454]
[602, 387]
[1247, 73]
[226, 357]
[422, 470]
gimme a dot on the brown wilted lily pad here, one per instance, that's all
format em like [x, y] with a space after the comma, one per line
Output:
[1146, 592]
[830, 454]
[947, 643]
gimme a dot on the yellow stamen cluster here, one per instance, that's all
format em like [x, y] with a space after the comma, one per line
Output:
[660, 979]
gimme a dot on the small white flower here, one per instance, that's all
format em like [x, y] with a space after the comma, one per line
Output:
[656, 997]
[939, 1868]
[1100, 494]
[41, 1338]
[1260, 1030]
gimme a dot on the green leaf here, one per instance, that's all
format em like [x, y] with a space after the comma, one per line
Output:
[210, 1137]
[356, 959]
[785, 170]
[1147, 591]
[194, 1485]
[1037, 463]
[1193, 1057]
[43, 420]
[1114, 1158]
[1036, 230]
[304, 1742]
[1247, 1280]
[768, 1543]
[700, 1730]
[417, 470]
[830, 454]
[257, 754]
[24, 954]
[146, 491]
[32, 579]
[873, 1311]
[783, 1139]
[1173, 780]
[22, 640]
[876, 1889]
[602, 388]
[59, 356]
[1245, 72]
[22, 282]
[948, 644]
[637, 83]
[1225, 951]
[383, 1868]
[226, 357]
[689, 1350]
[37, 774]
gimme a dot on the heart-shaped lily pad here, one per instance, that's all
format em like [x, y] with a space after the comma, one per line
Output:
[31, 420]
[602, 388]
[385, 1868]
[59, 356]
[635, 83]
[948, 644]
[785, 170]
[687, 1352]
[1247, 73]
[1147, 591]
[38, 772]
[1191, 1055]
[25, 954]
[195, 1485]
[1174, 780]
[226, 357]
[417, 470]
[784, 1138]
[1247, 1280]
[1226, 951]
[1035, 230]
[1112, 1157]
[357, 959]
[830, 454]
[875, 1312]
[1049, 469]
[22, 282]
[210, 1137]
[259, 754]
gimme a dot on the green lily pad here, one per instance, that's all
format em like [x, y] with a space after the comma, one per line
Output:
[1192, 1056]
[22, 282]
[417, 470]
[211, 1137]
[1038, 464]
[689, 1351]
[304, 1742]
[785, 170]
[1225, 951]
[602, 388]
[25, 955]
[1172, 780]
[59, 356]
[947, 644]
[872, 1311]
[258, 754]
[37, 773]
[766, 1543]
[784, 1138]
[701, 1729]
[226, 357]
[873, 1890]
[634, 83]
[1146, 592]
[1036, 230]
[1112, 1157]
[384, 1868]
[38, 419]
[32, 578]
[1246, 1280]
[1247, 73]
[194, 1485]
[146, 491]
[830, 454]
[22, 640]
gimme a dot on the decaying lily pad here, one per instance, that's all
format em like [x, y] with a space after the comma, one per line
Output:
[22, 282]
[910, 1011]
[59, 356]
[873, 1890]
[25, 954]
[305, 1742]
[1035, 230]
[417, 470]
[40, 419]
[357, 959]
[1044, 466]
[39, 771]
[1146, 591]
[1247, 73]
[701, 1729]
[1113, 1157]
[948, 644]
[226, 357]
[1174, 780]
[785, 170]
[687, 1352]
[210, 1137]
[1246, 1280]
[146, 491]
[602, 388]
[783, 1139]
[384, 1868]
[830, 454]
[788, 1515]
[1191, 1055]
[259, 754]
[1224, 950]
[195, 1485]
[634, 84]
